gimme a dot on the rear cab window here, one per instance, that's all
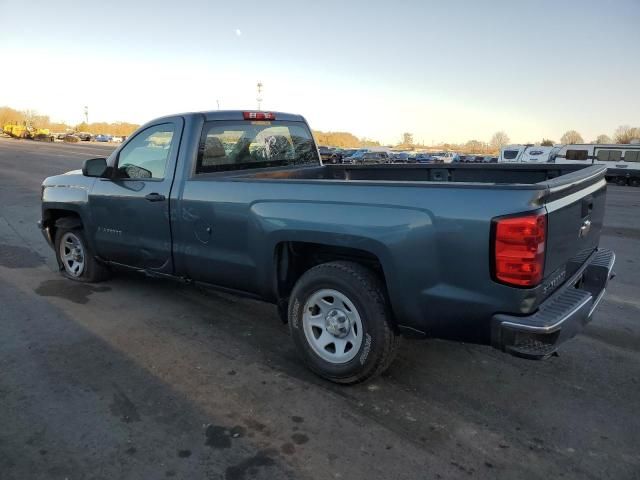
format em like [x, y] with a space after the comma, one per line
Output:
[510, 154]
[239, 145]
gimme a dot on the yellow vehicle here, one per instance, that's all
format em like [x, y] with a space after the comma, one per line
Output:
[26, 130]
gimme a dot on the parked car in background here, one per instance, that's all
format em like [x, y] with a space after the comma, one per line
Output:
[423, 158]
[70, 138]
[355, 156]
[347, 152]
[373, 157]
[444, 157]
[401, 157]
[102, 138]
[83, 136]
[329, 155]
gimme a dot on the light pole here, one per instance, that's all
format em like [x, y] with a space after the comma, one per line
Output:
[86, 115]
[259, 94]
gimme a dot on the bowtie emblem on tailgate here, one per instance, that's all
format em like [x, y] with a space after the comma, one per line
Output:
[584, 229]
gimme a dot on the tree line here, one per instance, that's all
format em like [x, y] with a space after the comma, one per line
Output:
[623, 134]
[12, 116]
[342, 140]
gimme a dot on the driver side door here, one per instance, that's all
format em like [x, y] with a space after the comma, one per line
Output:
[130, 210]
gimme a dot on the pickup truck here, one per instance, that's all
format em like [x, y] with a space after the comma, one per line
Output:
[354, 256]
[328, 155]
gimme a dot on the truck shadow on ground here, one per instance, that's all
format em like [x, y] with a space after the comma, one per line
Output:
[460, 400]
[437, 392]
[78, 406]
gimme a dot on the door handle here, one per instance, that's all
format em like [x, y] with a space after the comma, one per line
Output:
[155, 197]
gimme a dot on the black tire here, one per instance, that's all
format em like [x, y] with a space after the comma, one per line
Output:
[93, 271]
[364, 289]
[634, 182]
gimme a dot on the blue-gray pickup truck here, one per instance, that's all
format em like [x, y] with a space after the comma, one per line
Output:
[354, 256]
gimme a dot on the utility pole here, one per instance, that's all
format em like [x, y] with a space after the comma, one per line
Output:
[218, 103]
[259, 94]
[86, 115]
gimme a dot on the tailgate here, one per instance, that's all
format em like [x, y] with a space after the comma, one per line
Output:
[575, 210]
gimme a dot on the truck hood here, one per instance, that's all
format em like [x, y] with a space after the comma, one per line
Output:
[72, 177]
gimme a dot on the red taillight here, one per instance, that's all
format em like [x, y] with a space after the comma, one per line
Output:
[258, 116]
[519, 244]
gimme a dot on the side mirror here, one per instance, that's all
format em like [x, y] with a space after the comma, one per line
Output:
[94, 167]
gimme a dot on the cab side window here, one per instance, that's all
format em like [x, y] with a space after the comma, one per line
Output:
[146, 155]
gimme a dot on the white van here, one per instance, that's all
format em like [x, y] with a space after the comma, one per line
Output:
[525, 154]
[622, 160]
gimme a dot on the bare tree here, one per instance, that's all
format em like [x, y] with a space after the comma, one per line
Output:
[625, 133]
[474, 146]
[499, 140]
[407, 138]
[571, 137]
[603, 139]
[546, 142]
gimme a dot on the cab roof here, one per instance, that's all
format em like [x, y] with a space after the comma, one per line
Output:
[235, 115]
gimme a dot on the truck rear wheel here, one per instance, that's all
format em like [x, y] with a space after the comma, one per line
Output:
[75, 257]
[634, 181]
[340, 322]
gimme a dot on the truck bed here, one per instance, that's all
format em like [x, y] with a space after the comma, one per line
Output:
[495, 174]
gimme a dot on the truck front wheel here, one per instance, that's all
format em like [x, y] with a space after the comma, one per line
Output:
[340, 322]
[75, 258]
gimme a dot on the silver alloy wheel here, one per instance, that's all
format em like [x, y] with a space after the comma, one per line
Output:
[72, 254]
[332, 326]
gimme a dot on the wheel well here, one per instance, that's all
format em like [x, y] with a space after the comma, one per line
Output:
[55, 218]
[293, 259]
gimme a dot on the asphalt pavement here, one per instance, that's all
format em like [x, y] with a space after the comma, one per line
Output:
[139, 378]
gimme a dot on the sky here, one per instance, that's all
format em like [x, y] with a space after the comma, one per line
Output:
[446, 71]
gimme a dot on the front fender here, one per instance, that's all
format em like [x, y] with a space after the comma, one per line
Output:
[69, 193]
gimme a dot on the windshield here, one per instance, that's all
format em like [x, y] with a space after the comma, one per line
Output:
[240, 145]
